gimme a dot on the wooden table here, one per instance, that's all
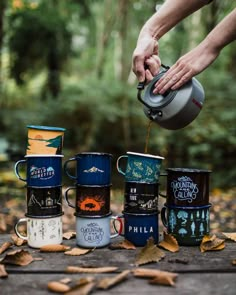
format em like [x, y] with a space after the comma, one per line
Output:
[205, 273]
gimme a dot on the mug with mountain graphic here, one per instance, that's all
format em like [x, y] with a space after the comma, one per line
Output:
[92, 168]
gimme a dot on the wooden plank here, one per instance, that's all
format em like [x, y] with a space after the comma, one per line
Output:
[186, 284]
[125, 259]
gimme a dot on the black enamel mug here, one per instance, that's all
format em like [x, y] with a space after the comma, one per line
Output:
[141, 197]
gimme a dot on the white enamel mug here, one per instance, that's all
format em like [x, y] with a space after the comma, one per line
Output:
[41, 231]
[95, 231]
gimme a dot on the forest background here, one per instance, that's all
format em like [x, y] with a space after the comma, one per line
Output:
[67, 63]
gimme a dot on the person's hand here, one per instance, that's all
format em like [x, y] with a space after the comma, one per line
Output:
[189, 65]
[146, 62]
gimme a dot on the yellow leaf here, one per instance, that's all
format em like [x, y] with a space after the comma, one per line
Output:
[78, 251]
[231, 236]
[125, 244]
[111, 281]
[211, 243]
[54, 248]
[19, 257]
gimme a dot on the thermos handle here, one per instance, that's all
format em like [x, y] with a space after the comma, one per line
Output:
[163, 216]
[66, 196]
[118, 162]
[16, 169]
[16, 228]
[66, 168]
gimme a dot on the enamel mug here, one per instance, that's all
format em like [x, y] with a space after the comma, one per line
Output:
[95, 231]
[92, 168]
[140, 167]
[41, 231]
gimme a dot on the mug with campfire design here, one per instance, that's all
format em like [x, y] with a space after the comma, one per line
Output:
[90, 200]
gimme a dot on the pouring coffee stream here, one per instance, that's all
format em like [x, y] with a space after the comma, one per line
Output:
[175, 109]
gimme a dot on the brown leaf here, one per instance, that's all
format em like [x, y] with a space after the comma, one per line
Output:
[5, 246]
[54, 248]
[76, 269]
[163, 279]
[110, 282]
[125, 244]
[211, 243]
[149, 253]
[58, 287]
[3, 273]
[18, 257]
[151, 273]
[65, 280]
[84, 289]
[78, 251]
[18, 241]
[69, 235]
[231, 236]
[169, 243]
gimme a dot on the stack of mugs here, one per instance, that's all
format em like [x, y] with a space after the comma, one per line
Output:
[43, 168]
[140, 213]
[92, 198]
[186, 211]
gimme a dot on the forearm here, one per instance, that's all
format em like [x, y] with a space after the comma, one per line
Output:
[170, 13]
[223, 34]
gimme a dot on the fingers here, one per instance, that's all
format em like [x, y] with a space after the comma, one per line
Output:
[175, 77]
[138, 67]
[154, 64]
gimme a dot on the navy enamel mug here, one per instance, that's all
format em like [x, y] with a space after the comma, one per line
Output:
[41, 170]
[91, 168]
[138, 228]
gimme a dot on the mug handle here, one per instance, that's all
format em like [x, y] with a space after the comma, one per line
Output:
[163, 216]
[16, 169]
[66, 196]
[16, 228]
[66, 166]
[118, 232]
[118, 162]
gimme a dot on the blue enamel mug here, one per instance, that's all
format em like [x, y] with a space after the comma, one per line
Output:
[41, 170]
[140, 167]
[138, 228]
[91, 168]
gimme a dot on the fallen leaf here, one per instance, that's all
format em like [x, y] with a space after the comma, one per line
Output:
[149, 253]
[158, 276]
[3, 273]
[110, 282]
[231, 236]
[78, 251]
[18, 241]
[18, 257]
[54, 248]
[5, 246]
[58, 287]
[211, 243]
[84, 289]
[163, 279]
[69, 235]
[169, 243]
[76, 269]
[65, 280]
[125, 244]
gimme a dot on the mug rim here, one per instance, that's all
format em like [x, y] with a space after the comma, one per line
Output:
[42, 187]
[43, 155]
[93, 216]
[43, 217]
[188, 208]
[93, 153]
[145, 155]
[188, 170]
[47, 128]
[141, 214]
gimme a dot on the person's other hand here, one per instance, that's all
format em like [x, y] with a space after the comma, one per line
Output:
[186, 67]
